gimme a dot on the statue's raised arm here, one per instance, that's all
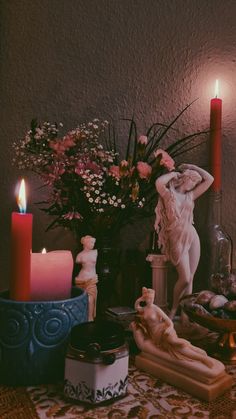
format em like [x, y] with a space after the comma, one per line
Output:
[207, 178]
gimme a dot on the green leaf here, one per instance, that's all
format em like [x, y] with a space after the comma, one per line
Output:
[164, 132]
[34, 124]
[53, 224]
[132, 129]
[188, 149]
[183, 141]
[155, 125]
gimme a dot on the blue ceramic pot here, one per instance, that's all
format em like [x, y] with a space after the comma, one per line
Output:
[34, 337]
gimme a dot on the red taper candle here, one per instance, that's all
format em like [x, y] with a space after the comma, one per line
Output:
[215, 140]
[21, 248]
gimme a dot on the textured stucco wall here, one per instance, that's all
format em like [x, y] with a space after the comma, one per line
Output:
[72, 60]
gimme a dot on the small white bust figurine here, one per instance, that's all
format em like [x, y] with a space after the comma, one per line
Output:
[87, 277]
[177, 236]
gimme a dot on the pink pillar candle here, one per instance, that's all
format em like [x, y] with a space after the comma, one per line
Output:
[51, 275]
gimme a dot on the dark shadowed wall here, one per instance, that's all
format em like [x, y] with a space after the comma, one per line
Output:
[73, 60]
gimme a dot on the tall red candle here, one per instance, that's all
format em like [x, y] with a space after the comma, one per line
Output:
[215, 140]
[21, 247]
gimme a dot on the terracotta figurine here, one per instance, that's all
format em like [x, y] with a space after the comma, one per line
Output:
[177, 236]
[87, 277]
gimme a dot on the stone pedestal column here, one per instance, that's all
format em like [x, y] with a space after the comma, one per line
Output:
[159, 266]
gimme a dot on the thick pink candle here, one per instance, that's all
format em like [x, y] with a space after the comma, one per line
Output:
[21, 245]
[215, 140]
[51, 275]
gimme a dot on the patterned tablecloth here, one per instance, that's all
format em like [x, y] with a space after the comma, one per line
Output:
[148, 397]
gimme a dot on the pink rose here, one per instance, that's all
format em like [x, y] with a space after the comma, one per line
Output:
[124, 163]
[72, 215]
[80, 167]
[93, 167]
[143, 140]
[144, 170]
[58, 170]
[57, 146]
[68, 142]
[166, 160]
[53, 173]
[114, 171]
[124, 168]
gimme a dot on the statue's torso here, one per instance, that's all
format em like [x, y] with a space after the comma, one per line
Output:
[88, 261]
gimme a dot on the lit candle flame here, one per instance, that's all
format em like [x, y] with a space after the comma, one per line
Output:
[21, 199]
[44, 251]
[217, 88]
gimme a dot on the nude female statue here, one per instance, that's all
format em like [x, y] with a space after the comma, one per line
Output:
[154, 331]
[177, 236]
[87, 277]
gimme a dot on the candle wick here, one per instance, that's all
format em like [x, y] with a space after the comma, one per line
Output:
[21, 207]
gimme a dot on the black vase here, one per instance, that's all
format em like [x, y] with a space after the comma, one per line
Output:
[107, 270]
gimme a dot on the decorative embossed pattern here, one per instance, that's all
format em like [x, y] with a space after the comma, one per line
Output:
[34, 337]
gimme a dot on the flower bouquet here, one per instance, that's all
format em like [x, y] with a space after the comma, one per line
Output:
[92, 187]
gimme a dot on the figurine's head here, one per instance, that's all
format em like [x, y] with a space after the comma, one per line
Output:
[88, 242]
[148, 295]
[187, 180]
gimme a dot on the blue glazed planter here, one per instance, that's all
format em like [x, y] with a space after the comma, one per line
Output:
[34, 337]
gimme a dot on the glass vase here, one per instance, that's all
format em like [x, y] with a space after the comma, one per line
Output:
[107, 270]
[219, 246]
[153, 244]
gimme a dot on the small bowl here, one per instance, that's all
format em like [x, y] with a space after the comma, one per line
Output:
[225, 347]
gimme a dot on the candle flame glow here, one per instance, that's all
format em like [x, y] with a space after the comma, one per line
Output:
[217, 88]
[44, 251]
[21, 199]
